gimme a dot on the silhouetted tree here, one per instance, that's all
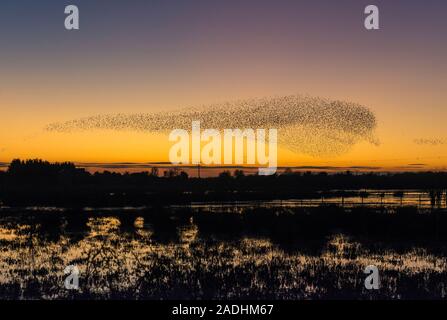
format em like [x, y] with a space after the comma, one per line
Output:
[154, 172]
[183, 175]
[225, 174]
[239, 174]
[171, 173]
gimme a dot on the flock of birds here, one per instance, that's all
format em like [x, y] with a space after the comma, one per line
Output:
[431, 142]
[309, 125]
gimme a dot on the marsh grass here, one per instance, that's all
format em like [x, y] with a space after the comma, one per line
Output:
[202, 255]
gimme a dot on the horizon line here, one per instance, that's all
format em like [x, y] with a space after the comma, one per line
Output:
[120, 166]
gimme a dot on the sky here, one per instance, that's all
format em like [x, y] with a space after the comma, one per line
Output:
[154, 56]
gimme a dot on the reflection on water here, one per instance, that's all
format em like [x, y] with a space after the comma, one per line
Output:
[368, 198]
[154, 256]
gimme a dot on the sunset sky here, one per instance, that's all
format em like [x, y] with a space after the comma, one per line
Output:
[145, 56]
